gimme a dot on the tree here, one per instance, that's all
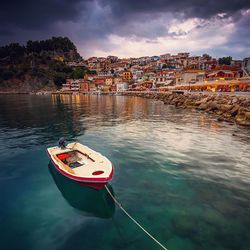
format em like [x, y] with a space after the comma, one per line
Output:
[14, 51]
[38, 61]
[225, 60]
[78, 72]
[59, 79]
[92, 72]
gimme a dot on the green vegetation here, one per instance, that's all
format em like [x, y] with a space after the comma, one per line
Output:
[225, 60]
[78, 72]
[57, 44]
[39, 63]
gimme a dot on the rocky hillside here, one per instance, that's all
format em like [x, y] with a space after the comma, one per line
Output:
[40, 65]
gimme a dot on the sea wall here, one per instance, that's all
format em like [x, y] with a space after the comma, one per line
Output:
[233, 108]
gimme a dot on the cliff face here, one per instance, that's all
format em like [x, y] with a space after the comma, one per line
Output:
[228, 107]
[40, 65]
[27, 84]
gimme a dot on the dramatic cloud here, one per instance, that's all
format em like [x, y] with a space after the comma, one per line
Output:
[132, 28]
[34, 14]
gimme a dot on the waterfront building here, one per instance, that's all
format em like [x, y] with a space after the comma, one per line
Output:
[112, 59]
[122, 86]
[102, 59]
[165, 56]
[193, 62]
[90, 77]
[208, 64]
[127, 75]
[84, 86]
[225, 71]
[237, 63]
[150, 76]
[183, 54]
[246, 66]
[217, 74]
[93, 87]
[164, 78]
[163, 71]
[75, 86]
[216, 86]
[154, 58]
[191, 76]
[118, 80]
[92, 59]
[109, 81]
[99, 80]
[163, 75]
[113, 88]
[104, 73]
[177, 78]
[66, 86]
[72, 85]
[137, 75]
[141, 86]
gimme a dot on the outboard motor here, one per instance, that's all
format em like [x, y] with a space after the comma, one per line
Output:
[62, 143]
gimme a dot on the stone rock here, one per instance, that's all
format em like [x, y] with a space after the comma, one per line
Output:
[243, 117]
[228, 107]
[235, 100]
[211, 106]
[202, 101]
[189, 103]
[220, 119]
[227, 114]
[234, 110]
[218, 112]
[203, 106]
[247, 115]
[225, 107]
[242, 121]
[242, 110]
[246, 103]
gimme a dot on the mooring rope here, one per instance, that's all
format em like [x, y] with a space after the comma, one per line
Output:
[141, 227]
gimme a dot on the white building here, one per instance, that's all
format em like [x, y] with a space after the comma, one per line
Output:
[122, 86]
[192, 76]
[137, 75]
[246, 66]
[165, 56]
[72, 85]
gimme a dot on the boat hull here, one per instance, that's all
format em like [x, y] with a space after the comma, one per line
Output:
[93, 184]
[96, 183]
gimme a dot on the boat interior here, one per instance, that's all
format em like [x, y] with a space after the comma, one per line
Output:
[74, 159]
[81, 161]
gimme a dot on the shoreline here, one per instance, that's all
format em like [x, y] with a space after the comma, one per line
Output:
[230, 107]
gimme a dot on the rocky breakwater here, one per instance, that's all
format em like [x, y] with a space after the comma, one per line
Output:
[227, 107]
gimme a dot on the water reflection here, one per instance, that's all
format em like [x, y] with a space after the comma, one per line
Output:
[27, 121]
[181, 173]
[89, 201]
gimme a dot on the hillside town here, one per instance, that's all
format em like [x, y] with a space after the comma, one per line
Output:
[161, 73]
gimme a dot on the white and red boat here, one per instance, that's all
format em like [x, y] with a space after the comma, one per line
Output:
[82, 164]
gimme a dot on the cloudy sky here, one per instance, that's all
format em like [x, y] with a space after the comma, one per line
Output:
[132, 28]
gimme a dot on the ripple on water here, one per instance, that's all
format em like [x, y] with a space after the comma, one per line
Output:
[182, 174]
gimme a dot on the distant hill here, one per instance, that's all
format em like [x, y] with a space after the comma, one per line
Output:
[40, 65]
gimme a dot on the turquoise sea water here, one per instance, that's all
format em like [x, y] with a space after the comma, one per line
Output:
[184, 176]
